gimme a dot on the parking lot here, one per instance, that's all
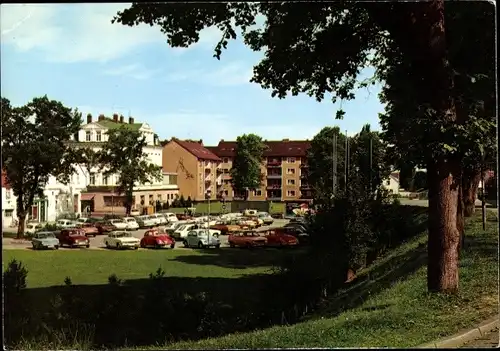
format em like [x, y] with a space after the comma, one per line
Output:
[97, 243]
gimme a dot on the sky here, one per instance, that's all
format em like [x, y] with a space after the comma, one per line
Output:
[72, 53]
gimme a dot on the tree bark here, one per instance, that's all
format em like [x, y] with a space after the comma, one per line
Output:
[471, 185]
[460, 213]
[21, 225]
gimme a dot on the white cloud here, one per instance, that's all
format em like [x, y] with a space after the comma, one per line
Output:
[134, 71]
[80, 32]
[230, 74]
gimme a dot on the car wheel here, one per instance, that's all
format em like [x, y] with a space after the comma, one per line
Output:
[117, 245]
[87, 246]
[56, 247]
[34, 247]
[142, 245]
[217, 246]
[200, 245]
[185, 243]
[232, 245]
[172, 246]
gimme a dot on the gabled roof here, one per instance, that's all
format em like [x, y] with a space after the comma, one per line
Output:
[110, 124]
[276, 148]
[197, 150]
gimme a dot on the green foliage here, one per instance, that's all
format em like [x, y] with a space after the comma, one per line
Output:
[14, 286]
[166, 205]
[189, 202]
[34, 147]
[123, 154]
[182, 201]
[14, 277]
[246, 172]
[159, 206]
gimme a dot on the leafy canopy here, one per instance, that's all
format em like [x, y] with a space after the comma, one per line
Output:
[34, 147]
[123, 154]
[246, 171]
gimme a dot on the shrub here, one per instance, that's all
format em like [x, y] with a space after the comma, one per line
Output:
[50, 227]
[16, 312]
[182, 201]
[189, 202]
[166, 205]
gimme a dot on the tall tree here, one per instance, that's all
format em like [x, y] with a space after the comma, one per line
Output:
[123, 154]
[320, 158]
[320, 48]
[246, 174]
[34, 147]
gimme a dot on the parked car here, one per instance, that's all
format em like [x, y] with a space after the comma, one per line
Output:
[90, 229]
[170, 217]
[145, 221]
[202, 238]
[65, 223]
[296, 225]
[121, 240]
[32, 228]
[299, 232]
[157, 239]
[118, 223]
[247, 239]
[73, 237]
[87, 220]
[266, 218]
[224, 228]
[182, 231]
[44, 240]
[131, 223]
[248, 223]
[278, 238]
[160, 218]
[104, 227]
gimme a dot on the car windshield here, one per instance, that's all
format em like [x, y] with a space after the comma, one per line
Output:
[117, 221]
[122, 235]
[182, 227]
[45, 235]
[74, 233]
[81, 220]
[130, 220]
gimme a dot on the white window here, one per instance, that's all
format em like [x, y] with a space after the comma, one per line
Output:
[7, 194]
[92, 179]
[290, 181]
[88, 136]
[98, 136]
[290, 171]
[291, 160]
[104, 180]
[290, 193]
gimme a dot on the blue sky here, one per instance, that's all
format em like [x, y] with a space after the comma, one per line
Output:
[73, 53]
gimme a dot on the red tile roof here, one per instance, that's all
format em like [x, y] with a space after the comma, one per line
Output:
[5, 182]
[197, 149]
[276, 148]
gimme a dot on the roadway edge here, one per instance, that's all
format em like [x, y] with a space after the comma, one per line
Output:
[464, 338]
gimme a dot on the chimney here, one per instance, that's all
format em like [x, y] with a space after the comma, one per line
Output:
[130, 120]
[89, 118]
[121, 119]
[200, 142]
[222, 140]
[115, 117]
[101, 117]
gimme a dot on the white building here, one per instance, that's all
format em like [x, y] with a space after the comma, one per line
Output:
[392, 183]
[90, 190]
[8, 204]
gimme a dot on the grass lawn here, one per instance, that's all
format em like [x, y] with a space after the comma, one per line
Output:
[48, 268]
[388, 305]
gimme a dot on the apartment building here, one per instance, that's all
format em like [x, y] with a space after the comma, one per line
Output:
[92, 190]
[199, 170]
[284, 169]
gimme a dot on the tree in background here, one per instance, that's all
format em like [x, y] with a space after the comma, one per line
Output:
[34, 147]
[321, 48]
[246, 172]
[320, 160]
[123, 154]
[189, 202]
[87, 158]
[367, 157]
[182, 201]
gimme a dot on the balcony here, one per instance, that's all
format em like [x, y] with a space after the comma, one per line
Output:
[274, 163]
[274, 195]
[219, 170]
[274, 175]
[226, 176]
[273, 186]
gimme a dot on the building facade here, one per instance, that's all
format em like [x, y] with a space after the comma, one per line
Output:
[198, 169]
[8, 203]
[284, 171]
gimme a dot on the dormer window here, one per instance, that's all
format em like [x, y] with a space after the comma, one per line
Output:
[87, 136]
[98, 136]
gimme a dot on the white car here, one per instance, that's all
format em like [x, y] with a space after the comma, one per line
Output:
[202, 238]
[118, 224]
[121, 240]
[265, 217]
[170, 217]
[182, 231]
[131, 223]
[32, 228]
[145, 221]
[66, 223]
[160, 218]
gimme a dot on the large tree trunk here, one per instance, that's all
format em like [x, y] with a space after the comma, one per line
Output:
[444, 237]
[471, 185]
[21, 216]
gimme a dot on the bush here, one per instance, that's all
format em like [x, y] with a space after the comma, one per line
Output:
[189, 202]
[182, 201]
[166, 205]
[67, 215]
[50, 227]
[158, 206]
[16, 311]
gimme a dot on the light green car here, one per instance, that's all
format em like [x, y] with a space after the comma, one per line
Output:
[44, 240]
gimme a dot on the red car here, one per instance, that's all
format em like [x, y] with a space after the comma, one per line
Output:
[104, 227]
[280, 239]
[89, 229]
[247, 239]
[157, 239]
[73, 237]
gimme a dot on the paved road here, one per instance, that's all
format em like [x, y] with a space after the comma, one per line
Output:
[97, 243]
[489, 340]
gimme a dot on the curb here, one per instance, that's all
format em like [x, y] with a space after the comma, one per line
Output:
[464, 338]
